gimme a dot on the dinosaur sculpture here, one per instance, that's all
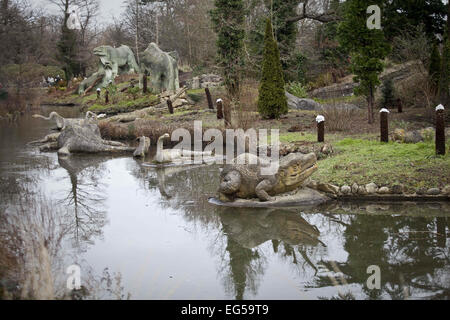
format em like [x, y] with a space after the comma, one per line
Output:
[143, 148]
[112, 62]
[86, 138]
[243, 178]
[80, 136]
[162, 68]
[173, 155]
[62, 122]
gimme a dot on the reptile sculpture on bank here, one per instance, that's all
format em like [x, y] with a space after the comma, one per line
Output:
[244, 179]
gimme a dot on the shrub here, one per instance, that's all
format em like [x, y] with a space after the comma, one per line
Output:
[297, 89]
[338, 117]
[272, 102]
[134, 91]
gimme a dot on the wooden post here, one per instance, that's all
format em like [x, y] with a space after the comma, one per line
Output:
[320, 128]
[144, 84]
[219, 109]
[440, 130]
[208, 97]
[170, 106]
[399, 106]
[98, 93]
[384, 126]
[227, 114]
[106, 96]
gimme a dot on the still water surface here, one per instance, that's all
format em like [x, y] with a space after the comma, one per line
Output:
[154, 234]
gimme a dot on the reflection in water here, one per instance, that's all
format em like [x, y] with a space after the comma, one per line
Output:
[163, 230]
[85, 199]
[246, 231]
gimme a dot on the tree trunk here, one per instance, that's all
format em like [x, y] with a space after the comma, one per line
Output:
[370, 101]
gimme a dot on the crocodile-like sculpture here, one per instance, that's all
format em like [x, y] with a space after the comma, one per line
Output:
[245, 180]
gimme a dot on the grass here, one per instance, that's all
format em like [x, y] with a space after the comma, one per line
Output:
[125, 105]
[365, 161]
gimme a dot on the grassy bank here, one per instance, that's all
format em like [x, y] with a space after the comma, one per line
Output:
[365, 161]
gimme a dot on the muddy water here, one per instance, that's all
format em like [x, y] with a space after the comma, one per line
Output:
[144, 233]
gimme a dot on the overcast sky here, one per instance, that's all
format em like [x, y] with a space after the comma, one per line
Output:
[108, 8]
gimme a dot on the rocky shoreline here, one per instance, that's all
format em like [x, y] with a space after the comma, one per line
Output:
[371, 191]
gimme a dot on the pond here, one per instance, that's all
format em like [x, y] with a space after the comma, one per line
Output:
[145, 233]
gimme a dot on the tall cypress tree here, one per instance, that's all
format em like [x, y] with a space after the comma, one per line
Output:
[228, 20]
[272, 102]
[434, 70]
[367, 48]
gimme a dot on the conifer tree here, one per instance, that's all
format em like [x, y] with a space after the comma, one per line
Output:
[272, 102]
[228, 19]
[367, 47]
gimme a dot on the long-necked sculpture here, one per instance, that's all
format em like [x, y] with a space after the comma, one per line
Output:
[112, 62]
[162, 68]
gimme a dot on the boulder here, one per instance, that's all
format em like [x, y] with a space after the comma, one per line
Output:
[346, 189]
[421, 191]
[397, 189]
[399, 135]
[446, 190]
[301, 103]
[371, 188]
[433, 191]
[383, 190]
[362, 190]
[355, 188]
[413, 137]
[427, 134]
[195, 83]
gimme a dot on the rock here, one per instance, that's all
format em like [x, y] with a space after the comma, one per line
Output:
[328, 188]
[362, 190]
[413, 137]
[446, 190]
[399, 135]
[383, 190]
[302, 103]
[421, 191]
[195, 83]
[327, 149]
[397, 189]
[427, 134]
[355, 188]
[346, 189]
[180, 102]
[371, 188]
[433, 191]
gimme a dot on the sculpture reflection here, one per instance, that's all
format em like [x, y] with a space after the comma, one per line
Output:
[246, 231]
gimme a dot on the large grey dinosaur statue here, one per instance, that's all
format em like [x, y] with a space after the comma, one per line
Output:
[112, 62]
[162, 68]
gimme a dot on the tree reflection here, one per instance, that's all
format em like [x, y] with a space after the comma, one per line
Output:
[411, 252]
[86, 214]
